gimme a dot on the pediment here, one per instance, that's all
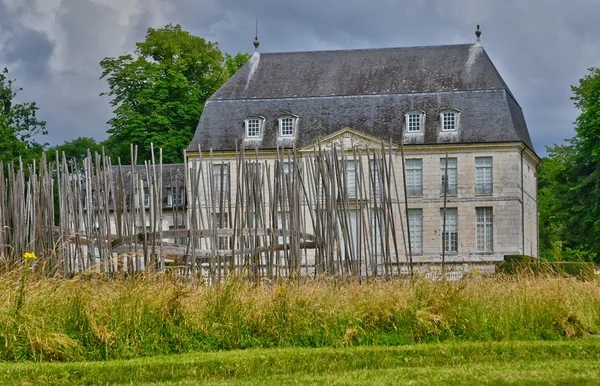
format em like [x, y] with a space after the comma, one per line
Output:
[348, 139]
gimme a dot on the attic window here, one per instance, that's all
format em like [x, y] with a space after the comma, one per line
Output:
[414, 122]
[287, 127]
[253, 128]
[449, 120]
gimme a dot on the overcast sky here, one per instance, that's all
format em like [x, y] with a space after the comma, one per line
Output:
[540, 47]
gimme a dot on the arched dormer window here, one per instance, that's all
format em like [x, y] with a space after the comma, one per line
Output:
[449, 120]
[287, 126]
[254, 127]
[415, 122]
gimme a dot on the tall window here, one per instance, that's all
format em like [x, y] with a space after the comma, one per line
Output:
[485, 229]
[415, 223]
[286, 127]
[175, 196]
[452, 180]
[283, 224]
[220, 186]
[253, 128]
[414, 177]
[375, 175]
[414, 122]
[376, 232]
[449, 121]
[450, 235]
[484, 175]
[221, 221]
[287, 167]
[351, 178]
[146, 198]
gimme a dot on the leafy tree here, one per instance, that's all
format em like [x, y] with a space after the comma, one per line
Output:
[586, 204]
[77, 149]
[569, 183]
[18, 125]
[158, 92]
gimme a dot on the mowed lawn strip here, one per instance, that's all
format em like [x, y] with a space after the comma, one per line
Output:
[565, 361]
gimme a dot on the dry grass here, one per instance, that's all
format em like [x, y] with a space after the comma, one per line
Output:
[92, 317]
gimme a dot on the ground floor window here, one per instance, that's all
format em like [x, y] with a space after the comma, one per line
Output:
[450, 234]
[485, 229]
[415, 224]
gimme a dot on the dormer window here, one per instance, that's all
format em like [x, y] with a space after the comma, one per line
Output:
[287, 127]
[253, 128]
[414, 122]
[449, 120]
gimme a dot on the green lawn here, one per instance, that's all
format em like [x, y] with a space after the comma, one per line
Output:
[535, 362]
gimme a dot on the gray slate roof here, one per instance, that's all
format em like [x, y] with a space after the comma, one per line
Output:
[366, 90]
[173, 176]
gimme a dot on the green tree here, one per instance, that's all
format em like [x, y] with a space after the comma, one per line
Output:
[18, 125]
[586, 190]
[159, 91]
[569, 183]
[77, 149]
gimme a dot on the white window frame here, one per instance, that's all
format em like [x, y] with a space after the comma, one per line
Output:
[452, 175]
[376, 232]
[350, 173]
[146, 197]
[451, 232]
[411, 128]
[283, 224]
[216, 175]
[375, 174]
[259, 121]
[445, 120]
[293, 121]
[176, 199]
[484, 175]
[415, 224]
[414, 177]
[484, 229]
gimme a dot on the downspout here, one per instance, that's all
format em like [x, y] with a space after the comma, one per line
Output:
[522, 207]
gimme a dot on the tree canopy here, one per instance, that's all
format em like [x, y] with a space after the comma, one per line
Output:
[159, 91]
[19, 124]
[569, 182]
[77, 149]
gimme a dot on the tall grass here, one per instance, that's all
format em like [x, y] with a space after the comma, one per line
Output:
[93, 317]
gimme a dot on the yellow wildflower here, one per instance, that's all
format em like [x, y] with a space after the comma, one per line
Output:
[29, 256]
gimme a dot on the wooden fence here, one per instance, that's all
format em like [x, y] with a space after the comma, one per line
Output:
[328, 212]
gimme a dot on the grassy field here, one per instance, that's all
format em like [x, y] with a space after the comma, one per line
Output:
[94, 318]
[575, 361]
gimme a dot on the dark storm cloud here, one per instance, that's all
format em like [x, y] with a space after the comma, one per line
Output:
[540, 47]
[24, 47]
[31, 51]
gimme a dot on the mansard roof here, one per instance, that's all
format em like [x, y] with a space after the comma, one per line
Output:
[367, 90]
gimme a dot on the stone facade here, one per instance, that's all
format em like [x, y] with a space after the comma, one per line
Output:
[357, 99]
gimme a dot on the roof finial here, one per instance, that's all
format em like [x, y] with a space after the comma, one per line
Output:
[256, 42]
[478, 33]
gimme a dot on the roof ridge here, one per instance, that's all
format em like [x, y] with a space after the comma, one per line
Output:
[366, 49]
[360, 95]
